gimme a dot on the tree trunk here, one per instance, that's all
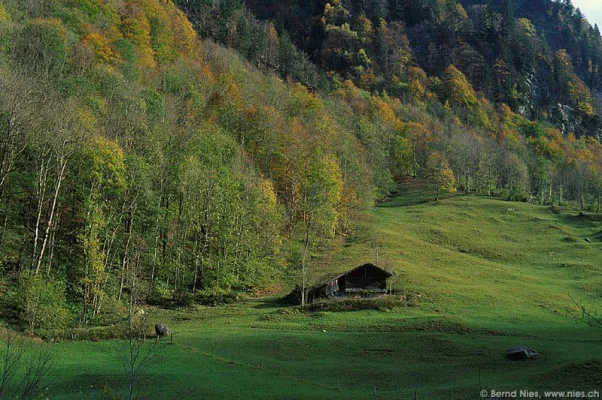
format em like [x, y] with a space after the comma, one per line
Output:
[41, 194]
[52, 242]
[304, 267]
[59, 181]
[124, 260]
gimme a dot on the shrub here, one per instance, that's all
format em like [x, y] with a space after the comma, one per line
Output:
[351, 304]
[160, 295]
[112, 312]
[216, 297]
[41, 303]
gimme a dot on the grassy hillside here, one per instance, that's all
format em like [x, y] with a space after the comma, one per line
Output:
[489, 275]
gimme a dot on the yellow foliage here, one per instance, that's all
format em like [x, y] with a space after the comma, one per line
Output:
[439, 171]
[527, 27]
[584, 154]
[268, 195]
[135, 27]
[108, 162]
[273, 34]
[461, 12]
[325, 125]
[458, 90]
[303, 100]
[183, 36]
[207, 73]
[86, 118]
[578, 90]
[384, 111]
[101, 46]
[4, 15]
[234, 93]
[348, 90]
[365, 26]
[297, 129]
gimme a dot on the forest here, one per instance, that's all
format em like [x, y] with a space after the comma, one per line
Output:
[173, 153]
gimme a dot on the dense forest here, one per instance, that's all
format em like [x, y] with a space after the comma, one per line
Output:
[141, 160]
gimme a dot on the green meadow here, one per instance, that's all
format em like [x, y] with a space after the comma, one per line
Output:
[483, 276]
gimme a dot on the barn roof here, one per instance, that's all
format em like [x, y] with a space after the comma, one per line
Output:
[367, 265]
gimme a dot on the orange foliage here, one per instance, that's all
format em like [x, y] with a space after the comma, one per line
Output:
[101, 46]
[509, 123]
[135, 27]
[273, 34]
[578, 90]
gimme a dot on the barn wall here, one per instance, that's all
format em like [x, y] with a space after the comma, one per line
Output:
[364, 278]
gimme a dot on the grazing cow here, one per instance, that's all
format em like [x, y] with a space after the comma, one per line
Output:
[161, 330]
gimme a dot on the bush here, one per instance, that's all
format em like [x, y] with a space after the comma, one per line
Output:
[41, 304]
[160, 295]
[112, 312]
[216, 297]
[351, 304]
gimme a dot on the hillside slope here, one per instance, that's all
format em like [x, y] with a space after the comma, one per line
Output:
[539, 57]
[141, 164]
[491, 275]
[498, 98]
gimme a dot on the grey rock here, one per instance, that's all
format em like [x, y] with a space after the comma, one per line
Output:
[522, 353]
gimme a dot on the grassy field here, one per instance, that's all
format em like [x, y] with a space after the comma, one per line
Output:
[487, 275]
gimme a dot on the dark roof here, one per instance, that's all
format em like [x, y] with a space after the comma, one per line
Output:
[367, 265]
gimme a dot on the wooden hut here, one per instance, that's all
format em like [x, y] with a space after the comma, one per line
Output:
[367, 280]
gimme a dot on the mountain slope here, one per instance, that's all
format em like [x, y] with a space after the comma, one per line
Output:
[509, 50]
[138, 164]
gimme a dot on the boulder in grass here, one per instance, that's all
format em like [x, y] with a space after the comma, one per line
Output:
[161, 330]
[522, 353]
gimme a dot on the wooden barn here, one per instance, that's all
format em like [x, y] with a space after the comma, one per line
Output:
[367, 280]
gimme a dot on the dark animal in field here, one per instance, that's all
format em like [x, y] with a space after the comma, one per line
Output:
[161, 330]
[522, 353]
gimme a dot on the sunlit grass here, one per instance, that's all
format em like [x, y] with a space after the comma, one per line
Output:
[488, 275]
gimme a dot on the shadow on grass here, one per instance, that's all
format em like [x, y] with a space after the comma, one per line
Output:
[582, 220]
[415, 195]
[270, 303]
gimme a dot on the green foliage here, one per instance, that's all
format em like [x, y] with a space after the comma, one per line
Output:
[440, 173]
[42, 46]
[6, 29]
[112, 312]
[41, 304]
[161, 41]
[138, 162]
